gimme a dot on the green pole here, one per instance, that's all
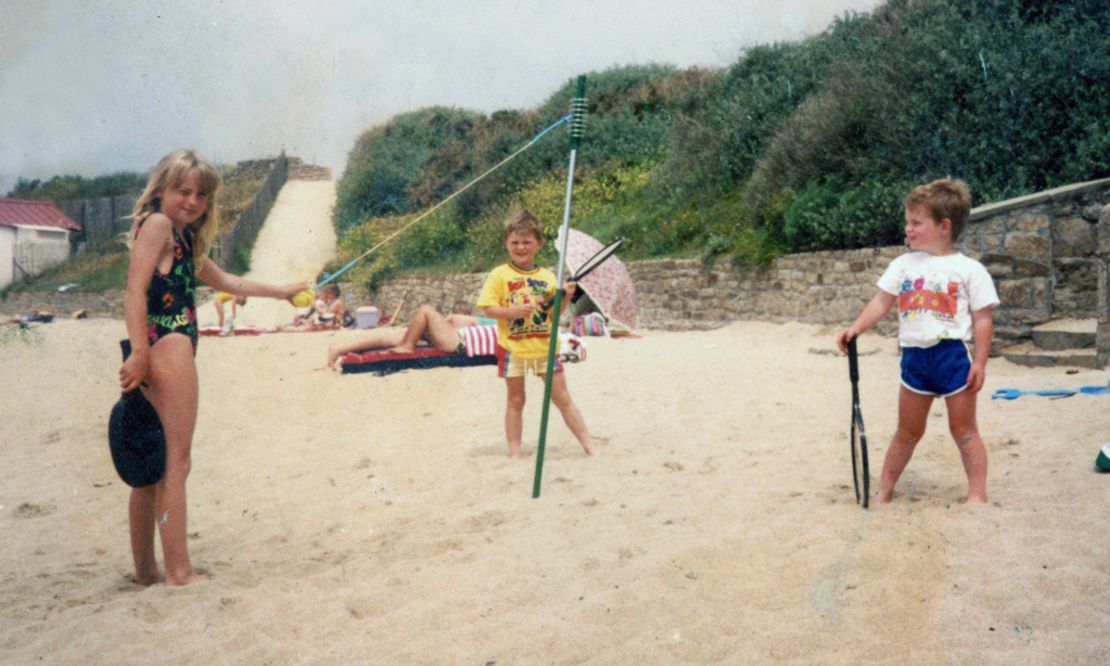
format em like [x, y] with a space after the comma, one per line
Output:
[577, 126]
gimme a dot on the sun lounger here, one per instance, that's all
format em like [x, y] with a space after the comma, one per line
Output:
[384, 363]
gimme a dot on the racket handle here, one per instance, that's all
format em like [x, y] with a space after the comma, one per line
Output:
[853, 361]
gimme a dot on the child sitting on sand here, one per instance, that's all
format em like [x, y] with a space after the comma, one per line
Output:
[944, 301]
[516, 294]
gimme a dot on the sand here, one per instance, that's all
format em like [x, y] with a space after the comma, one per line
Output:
[352, 518]
[360, 519]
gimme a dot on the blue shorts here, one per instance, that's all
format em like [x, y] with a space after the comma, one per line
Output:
[940, 370]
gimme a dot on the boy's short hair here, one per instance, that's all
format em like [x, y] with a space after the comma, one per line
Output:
[331, 288]
[523, 222]
[945, 198]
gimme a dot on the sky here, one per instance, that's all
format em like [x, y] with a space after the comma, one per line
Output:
[92, 87]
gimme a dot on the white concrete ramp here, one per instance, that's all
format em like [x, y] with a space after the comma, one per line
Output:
[295, 243]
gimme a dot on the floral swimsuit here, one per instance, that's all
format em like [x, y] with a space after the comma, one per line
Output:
[171, 298]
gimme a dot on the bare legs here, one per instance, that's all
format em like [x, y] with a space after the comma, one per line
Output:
[514, 408]
[173, 392]
[560, 396]
[140, 514]
[965, 430]
[913, 412]
[379, 338]
[430, 324]
[571, 416]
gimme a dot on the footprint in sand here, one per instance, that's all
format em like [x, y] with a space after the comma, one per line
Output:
[28, 510]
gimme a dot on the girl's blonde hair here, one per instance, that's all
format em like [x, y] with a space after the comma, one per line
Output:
[170, 172]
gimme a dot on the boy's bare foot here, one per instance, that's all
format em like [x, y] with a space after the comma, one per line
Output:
[514, 451]
[884, 496]
[147, 579]
[181, 581]
[589, 449]
[976, 499]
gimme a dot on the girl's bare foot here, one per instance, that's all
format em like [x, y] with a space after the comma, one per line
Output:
[333, 356]
[402, 349]
[976, 499]
[514, 451]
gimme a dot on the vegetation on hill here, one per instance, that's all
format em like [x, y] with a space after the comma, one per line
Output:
[799, 146]
[60, 188]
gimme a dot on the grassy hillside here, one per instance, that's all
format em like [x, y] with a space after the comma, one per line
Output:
[798, 146]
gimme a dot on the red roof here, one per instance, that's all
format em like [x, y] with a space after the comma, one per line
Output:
[33, 213]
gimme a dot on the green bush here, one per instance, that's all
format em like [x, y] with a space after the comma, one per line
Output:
[828, 215]
[799, 146]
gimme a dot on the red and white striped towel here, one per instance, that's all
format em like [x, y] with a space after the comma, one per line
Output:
[480, 340]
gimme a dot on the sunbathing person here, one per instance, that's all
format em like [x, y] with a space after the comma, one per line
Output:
[440, 331]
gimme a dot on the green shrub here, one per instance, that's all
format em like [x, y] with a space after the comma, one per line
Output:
[831, 215]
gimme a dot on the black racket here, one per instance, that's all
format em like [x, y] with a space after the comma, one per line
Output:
[593, 262]
[136, 438]
[860, 471]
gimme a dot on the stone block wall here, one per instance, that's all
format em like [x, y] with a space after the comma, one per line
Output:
[1043, 251]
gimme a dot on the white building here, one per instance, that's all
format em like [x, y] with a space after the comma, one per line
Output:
[34, 235]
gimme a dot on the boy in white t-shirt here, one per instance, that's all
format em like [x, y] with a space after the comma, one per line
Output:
[944, 301]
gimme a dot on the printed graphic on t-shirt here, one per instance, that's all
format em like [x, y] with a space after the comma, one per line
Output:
[527, 291]
[917, 298]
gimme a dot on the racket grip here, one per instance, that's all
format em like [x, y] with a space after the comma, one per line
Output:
[853, 361]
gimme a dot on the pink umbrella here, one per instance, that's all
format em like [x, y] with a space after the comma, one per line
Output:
[609, 286]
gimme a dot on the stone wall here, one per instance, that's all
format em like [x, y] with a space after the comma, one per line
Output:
[1043, 252]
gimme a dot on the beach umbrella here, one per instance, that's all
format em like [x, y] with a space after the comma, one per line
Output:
[609, 286]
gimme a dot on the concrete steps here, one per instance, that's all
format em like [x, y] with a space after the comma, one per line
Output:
[1064, 342]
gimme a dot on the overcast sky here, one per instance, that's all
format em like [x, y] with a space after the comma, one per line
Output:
[92, 87]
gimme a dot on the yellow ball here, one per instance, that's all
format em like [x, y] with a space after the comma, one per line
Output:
[304, 299]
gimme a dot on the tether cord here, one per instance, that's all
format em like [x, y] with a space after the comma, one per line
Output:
[436, 207]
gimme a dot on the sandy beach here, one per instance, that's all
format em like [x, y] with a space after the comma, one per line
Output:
[359, 519]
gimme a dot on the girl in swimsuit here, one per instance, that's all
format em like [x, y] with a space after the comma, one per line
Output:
[176, 219]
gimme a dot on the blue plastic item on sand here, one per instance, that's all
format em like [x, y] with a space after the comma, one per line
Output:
[1012, 394]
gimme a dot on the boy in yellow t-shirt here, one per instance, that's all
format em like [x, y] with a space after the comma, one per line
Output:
[517, 294]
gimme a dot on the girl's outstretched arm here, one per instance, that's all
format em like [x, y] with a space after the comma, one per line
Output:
[217, 278]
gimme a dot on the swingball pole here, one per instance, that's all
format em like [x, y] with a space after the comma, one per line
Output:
[577, 127]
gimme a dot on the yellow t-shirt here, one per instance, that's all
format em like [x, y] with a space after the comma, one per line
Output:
[508, 285]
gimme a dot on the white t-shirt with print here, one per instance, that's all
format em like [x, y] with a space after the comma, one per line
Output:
[936, 296]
